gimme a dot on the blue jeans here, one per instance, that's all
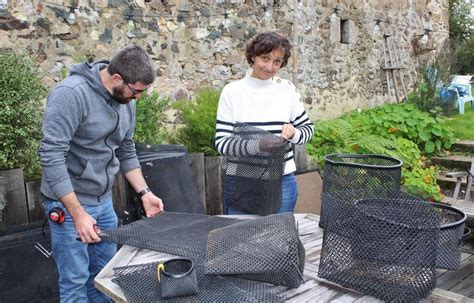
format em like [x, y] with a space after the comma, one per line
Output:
[289, 194]
[79, 263]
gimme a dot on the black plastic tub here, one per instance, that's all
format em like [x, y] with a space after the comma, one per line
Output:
[178, 278]
[451, 236]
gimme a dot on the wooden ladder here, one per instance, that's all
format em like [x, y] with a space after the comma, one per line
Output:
[392, 68]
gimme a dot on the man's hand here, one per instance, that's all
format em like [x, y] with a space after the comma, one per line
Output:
[152, 204]
[83, 222]
[288, 131]
[85, 227]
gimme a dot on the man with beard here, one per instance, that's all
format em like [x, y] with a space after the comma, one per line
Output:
[87, 137]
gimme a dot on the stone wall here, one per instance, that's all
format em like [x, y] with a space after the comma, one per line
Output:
[201, 43]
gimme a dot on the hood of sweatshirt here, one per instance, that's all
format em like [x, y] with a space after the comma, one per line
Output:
[91, 73]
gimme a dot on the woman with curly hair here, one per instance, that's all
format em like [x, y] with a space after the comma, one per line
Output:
[263, 100]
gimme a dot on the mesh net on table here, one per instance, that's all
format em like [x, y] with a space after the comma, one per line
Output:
[140, 284]
[255, 168]
[452, 229]
[265, 249]
[186, 235]
[384, 247]
[368, 174]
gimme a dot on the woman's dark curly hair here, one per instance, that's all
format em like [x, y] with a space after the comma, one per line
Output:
[265, 43]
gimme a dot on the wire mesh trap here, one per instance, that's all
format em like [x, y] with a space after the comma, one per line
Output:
[186, 235]
[450, 236]
[254, 170]
[384, 247]
[265, 249]
[370, 175]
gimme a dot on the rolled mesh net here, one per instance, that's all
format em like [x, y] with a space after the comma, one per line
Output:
[254, 167]
[186, 235]
[384, 247]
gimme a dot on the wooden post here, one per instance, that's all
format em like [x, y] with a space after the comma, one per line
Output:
[13, 206]
[214, 174]
[196, 163]
[124, 205]
[35, 201]
[303, 164]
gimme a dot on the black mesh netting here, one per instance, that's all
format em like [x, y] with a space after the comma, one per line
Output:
[368, 174]
[452, 229]
[186, 235]
[384, 247]
[266, 249]
[255, 168]
[27, 269]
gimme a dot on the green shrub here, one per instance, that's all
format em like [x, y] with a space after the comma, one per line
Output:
[406, 121]
[199, 118]
[150, 114]
[20, 114]
[461, 34]
[391, 130]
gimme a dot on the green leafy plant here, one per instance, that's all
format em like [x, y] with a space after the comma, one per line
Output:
[406, 121]
[391, 130]
[150, 114]
[22, 94]
[199, 118]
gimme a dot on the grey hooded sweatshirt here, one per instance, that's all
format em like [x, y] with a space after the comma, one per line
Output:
[87, 137]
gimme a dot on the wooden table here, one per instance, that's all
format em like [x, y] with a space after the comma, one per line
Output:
[313, 289]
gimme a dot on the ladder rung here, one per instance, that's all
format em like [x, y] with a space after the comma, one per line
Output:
[392, 67]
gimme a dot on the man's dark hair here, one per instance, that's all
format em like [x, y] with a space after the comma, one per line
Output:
[265, 43]
[133, 64]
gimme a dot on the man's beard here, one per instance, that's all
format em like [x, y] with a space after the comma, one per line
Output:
[118, 92]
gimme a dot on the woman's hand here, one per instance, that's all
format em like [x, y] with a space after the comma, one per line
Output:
[288, 131]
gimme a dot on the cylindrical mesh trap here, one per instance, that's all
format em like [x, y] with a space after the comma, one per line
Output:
[384, 247]
[178, 278]
[254, 170]
[370, 175]
[450, 236]
[265, 249]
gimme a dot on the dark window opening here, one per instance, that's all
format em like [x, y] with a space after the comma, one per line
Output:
[345, 32]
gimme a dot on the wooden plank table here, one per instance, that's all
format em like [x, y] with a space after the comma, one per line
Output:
[313, 289]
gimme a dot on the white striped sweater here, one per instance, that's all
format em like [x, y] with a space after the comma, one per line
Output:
[266, 104]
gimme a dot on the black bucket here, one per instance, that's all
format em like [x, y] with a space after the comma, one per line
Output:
[178, 278]
[451, 236]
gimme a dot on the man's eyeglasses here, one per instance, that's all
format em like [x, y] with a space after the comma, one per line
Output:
[135, 91]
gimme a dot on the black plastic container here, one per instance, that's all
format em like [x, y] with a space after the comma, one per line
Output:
[451, 236]
[27, 270]
[178, 278]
